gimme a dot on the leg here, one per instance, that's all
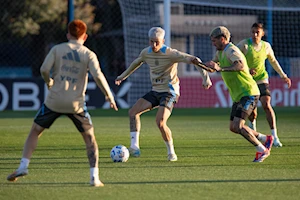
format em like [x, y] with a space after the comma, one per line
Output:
[83, 123]
[265, 100]
[241, 111]
[91, 147]
[134, 113]
[252, 119]
[162, 117]
[32, 140]
[29, 147]
[44, 119]
[270, 114]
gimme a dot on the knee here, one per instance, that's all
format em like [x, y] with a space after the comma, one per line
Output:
[234, 128]
[131, 112]
[160, 123]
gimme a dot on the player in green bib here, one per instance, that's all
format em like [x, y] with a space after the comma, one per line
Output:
[257, 51]
[232, 64]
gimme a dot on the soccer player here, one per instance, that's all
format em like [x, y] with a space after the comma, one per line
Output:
[257, 51]
[163, 62]
[232, 64]
[69, 64]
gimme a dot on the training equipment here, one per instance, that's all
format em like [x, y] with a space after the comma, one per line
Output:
[119, 153]
[134, 152]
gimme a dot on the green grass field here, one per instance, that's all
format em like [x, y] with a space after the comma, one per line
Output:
[213, 163]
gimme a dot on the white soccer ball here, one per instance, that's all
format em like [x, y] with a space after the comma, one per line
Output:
[119, 153]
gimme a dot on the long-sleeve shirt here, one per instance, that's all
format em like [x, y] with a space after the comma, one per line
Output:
[263, 48]
[68, 65]
[163, 68]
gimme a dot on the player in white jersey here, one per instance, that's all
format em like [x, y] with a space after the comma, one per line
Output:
[69, 63]
[257, 51]
[163, 62]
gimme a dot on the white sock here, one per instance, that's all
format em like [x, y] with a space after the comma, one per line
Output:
[274, 133]
[94, 173]
[262, 137]
[260, 148]
[170, 147]
[135, 140]
[24, 163]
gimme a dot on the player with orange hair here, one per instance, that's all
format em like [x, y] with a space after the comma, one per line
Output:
[70, 63]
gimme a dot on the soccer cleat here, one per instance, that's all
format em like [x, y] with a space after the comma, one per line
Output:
[134, 152]
[261, 156]
[96, 183]
[172, 157]
[269, 142]
[18, 173]
[277, 143]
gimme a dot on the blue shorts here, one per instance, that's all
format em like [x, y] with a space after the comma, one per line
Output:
[244, 107]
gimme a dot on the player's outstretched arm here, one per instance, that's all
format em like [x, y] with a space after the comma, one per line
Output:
[133, 66]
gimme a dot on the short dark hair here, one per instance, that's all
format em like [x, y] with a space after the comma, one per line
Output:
[258, 25]
[77, 28]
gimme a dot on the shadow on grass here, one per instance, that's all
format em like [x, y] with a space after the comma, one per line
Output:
[80, 184]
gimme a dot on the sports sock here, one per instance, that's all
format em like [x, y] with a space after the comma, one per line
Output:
[135, 144]
[262, 137]
[24, 163]
[94, 173]
[274, 133]
[170, 147]
[260, 148]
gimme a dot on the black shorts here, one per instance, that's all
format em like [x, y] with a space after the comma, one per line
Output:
[246, 105]
[45, 118]
[165, 99]
[264, 89]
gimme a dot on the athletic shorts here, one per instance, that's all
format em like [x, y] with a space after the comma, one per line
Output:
[45, 118]
[165, 99]
[264, 89]
[246, 105]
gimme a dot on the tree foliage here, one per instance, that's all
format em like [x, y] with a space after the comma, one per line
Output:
[27, 17]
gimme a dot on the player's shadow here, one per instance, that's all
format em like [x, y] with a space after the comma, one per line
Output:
[72, 184]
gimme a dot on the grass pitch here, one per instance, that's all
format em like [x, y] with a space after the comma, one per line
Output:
[213, 163]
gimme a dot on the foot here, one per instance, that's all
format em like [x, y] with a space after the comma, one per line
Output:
[172, 157]
[18, 173]
[277, 143]
[269, 142]
[134, 152]
[96, 183]
[261, 156]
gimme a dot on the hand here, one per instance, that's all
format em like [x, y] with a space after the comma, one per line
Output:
[213, 66]
[252, 72]
[50, 84]
[206, 86]
[118, 80]
[114, 106]
[112, 103]
[287, 81]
